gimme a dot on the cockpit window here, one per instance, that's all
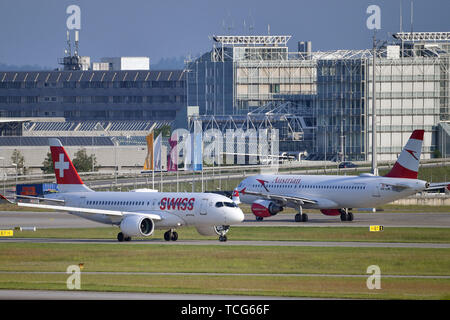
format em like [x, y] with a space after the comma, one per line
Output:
[230, 204]
[219, 204]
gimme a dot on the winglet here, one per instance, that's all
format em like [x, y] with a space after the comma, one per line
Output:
[3, 199]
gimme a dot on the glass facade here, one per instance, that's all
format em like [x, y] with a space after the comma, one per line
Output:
[335, 89]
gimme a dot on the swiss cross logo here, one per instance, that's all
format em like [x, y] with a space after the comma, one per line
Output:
[61, 165]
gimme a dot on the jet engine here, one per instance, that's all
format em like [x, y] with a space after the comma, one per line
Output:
[265, 208]
[137, 226]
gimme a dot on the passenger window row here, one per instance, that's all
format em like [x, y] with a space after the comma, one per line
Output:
[117, 203]
[312, 186]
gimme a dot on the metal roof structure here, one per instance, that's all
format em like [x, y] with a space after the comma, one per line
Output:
[252, 40]
[92, 128]
[91, 76]
[422, 36]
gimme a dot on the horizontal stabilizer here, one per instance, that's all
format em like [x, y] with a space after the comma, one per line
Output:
[438, 185]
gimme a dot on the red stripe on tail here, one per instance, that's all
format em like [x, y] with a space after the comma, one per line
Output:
[417, 134]
[407, 164]
[398, 171]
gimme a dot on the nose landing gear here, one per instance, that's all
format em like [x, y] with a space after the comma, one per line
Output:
[222, 231]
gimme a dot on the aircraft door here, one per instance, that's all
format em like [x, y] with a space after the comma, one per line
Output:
[376, 191]
[204, 207]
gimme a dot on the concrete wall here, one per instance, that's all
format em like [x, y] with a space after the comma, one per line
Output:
[124, 156]
[426, 200]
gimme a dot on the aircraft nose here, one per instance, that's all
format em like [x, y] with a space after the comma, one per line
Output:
[235, 216]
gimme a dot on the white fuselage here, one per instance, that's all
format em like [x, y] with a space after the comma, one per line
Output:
[175, 209]
[332, 192]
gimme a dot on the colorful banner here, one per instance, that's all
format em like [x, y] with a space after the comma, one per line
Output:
[194, 150]
[172, 157]
[149, 163]
[157, 146]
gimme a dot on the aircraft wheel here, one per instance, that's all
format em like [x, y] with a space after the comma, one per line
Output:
[167, 236]
[222, 238]
[350, 216]
[174, 236]
[343, 216]
[259, 218]
[298, 217]
[120, 237]
[304, 217]
[127, 239]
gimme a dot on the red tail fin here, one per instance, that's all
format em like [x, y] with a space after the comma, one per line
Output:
[66, 175]
[407, 165]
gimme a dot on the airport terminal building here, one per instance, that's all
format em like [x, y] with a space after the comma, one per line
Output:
[94, 95]
[108, 112]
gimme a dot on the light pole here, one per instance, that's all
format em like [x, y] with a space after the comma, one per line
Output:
[116, 142]
[15, 165]
[3, 174]
[374, 111]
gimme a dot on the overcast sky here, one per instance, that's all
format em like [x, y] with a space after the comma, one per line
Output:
[34, 32]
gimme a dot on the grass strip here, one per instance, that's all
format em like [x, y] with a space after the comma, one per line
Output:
[222, 259]
[326, 287]
[297, 233]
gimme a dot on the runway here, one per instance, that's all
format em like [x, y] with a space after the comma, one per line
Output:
[365, 219]
[43, 220]
[256, 243]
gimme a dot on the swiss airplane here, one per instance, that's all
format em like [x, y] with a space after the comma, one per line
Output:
[137, 213]
[335, 195]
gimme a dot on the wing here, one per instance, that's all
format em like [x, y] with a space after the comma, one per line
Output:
[282, 199]
[89, 210]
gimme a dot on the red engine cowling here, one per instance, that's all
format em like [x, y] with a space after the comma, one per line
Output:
[265, 208]
[331, 212]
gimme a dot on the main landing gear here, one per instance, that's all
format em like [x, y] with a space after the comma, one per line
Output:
[346, 215]
[171, 235]
[121, 237]
[300, 216]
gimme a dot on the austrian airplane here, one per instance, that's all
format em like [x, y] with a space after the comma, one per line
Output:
[137, 213]
[335, 195]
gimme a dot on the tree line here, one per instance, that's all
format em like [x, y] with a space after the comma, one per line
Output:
[81, 161]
